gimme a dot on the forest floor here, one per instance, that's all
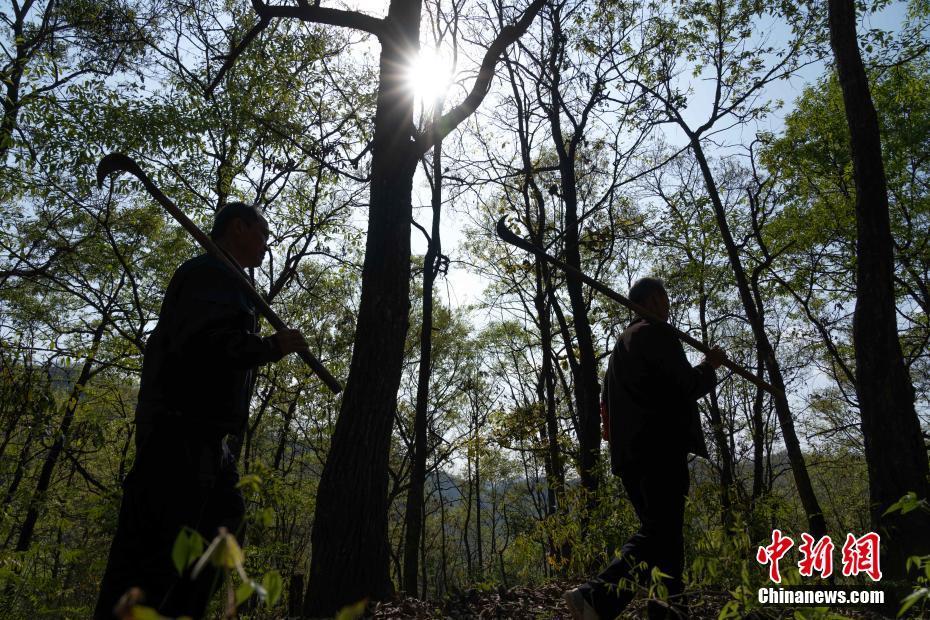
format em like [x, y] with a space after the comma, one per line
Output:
[545, 602]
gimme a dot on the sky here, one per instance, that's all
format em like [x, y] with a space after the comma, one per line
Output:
[462, 286]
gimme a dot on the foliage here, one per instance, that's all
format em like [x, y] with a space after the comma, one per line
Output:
[82, 275]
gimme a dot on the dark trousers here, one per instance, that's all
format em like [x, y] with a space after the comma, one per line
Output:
[177, 482]
[657, 489]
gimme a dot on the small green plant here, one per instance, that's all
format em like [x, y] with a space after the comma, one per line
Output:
[353, 612]
[919, 599]
[224, 553]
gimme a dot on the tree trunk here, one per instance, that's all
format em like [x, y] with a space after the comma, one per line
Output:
[61, 438]
[467, 521]
[414, 509]
[721, 438]
[250, 429]
[586, 387]
[555, 472]
[815, 519]
[758, 439]
[442, 534]
[478, 544]
[894, 449]
[13, 79]
[24, 456]
[285, 430]
[535, 219]
[350, 556]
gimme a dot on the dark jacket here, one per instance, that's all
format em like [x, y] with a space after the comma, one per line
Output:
[650, 396]
[197, 372]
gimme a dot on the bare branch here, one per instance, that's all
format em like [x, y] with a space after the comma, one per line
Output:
[319, 15]
[449, 121]
[235, 53]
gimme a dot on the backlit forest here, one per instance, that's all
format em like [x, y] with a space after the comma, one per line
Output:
[769, 161]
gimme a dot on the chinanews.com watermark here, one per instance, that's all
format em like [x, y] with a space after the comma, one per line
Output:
[816, 596]
[859, 556]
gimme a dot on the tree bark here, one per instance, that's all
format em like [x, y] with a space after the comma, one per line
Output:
[894, 449]
[350, 556]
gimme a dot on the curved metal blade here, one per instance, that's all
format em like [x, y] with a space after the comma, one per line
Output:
[115, 163]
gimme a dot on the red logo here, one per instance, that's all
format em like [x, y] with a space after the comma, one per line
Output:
[774, 552]
[860, 555]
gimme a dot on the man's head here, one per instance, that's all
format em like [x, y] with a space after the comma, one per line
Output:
[242, 231]
[650, 294]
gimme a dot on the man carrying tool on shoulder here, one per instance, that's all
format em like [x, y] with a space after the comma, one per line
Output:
[652, 423]
[198, 372]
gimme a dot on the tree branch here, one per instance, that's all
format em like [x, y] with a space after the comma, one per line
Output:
[319, 15]
[449, 121]
[235, 53]
[305, 12]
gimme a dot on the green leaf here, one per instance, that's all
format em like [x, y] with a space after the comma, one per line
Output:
[273, 585]
[244, 591]
[251, 482]
[906, 504]
[228, 553]
[352, 612]
[179, 551]
[911, 599]
[140, 612]
[188, 546]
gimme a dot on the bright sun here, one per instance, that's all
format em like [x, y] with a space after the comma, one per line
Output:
[429, 76]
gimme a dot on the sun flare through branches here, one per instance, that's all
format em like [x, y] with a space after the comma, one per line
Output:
[429, 75]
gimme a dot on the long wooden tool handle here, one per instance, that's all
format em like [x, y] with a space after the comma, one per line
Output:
[513, 239]
[117, 162]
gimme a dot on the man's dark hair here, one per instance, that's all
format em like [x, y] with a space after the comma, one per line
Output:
[644, 288]
[232, 211]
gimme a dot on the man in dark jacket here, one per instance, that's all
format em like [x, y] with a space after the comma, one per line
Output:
[198, 372]
[652, 423]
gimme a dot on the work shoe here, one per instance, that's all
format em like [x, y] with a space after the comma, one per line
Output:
[579, 606]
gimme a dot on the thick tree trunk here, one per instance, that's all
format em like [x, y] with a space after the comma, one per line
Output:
[894, 448]
[350, 556]
[816, 523]
[414, 508]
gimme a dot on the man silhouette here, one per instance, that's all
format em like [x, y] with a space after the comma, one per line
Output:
[652, 423]
[198, 372]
